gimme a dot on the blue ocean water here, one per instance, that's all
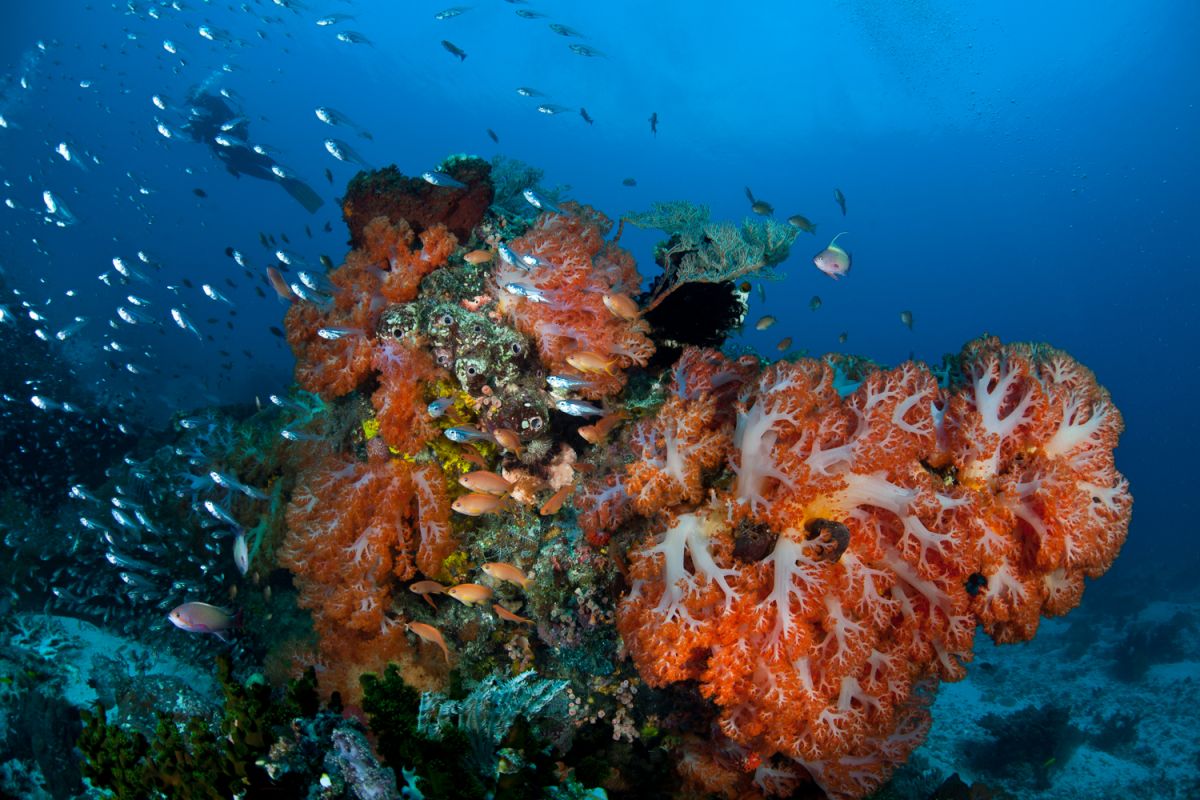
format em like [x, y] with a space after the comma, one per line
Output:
[1027, 170]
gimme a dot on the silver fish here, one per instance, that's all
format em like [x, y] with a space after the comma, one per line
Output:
[442, 179]
[213, 294]
[182, 321]
[578, 408]
[438, 407]
[537, 201]
[467, 433]
[450, 13]
[344, 152]
[531, 293]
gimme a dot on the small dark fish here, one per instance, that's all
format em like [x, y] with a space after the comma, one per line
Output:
[802, 222]
[262, 237]
[229, 252]
[492, 135]
[328, 175]
[842, 337]
[784, 344]
[199, 192]
[841, 200]
[329, 227]
[586, 118]
[454, 50]
[584, 50]
[654, 123]
[906, 318]
[760, 207]
[308, 231]
[188, 284]
[277, 332]
[563, 30]
[629, 182]
[525, 13]
[815, 303]
[326, 261]
[284, 237]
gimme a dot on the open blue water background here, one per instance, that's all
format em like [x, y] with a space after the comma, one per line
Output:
[1026, 171]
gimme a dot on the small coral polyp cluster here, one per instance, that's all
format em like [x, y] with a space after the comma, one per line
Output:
[812, 543]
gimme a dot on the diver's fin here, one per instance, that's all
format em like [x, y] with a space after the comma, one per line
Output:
[303, 194]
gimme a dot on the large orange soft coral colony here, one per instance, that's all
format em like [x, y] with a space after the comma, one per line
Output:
[355, 528]
[902, 516]
[386, 269]
[574, 268]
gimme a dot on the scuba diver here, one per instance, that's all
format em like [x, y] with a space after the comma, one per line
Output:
[212, 121]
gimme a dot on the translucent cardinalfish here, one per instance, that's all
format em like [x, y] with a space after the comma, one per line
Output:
[833, 260]
[470, 594]
[431, 635]
[506, 572]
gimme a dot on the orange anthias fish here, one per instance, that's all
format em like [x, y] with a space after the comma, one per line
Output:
[504, 613]
[589, 362]
[622, 306]
[204, 618]
[472, 455]
[506, 572]
[477, 503]
[556, 501]
[598, 431]
[426, 588]
[470, 594]
[508, 440]
[280, 285]
[481, 480]
[478, 257]
[431, 635]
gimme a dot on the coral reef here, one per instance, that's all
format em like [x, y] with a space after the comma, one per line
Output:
[510, 466]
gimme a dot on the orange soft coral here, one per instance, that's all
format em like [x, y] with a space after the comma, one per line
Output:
[385, 270]
[576, 268]
[354, 530]
[881, 567]
[400, 408]
[671, 451]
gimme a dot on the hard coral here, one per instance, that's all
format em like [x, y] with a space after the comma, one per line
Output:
[387, 193]
[882, 563]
